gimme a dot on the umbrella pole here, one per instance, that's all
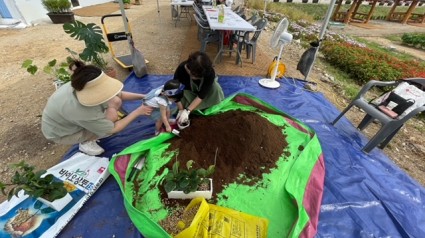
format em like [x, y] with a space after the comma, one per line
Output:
[321, 35]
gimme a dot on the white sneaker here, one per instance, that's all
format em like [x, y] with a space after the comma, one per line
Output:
[91, 148]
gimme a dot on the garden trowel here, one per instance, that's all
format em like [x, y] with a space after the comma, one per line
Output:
[136, 169]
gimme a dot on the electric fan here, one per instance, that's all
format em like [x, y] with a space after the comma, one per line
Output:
[280, 37]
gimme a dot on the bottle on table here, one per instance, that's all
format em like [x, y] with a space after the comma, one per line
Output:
[221, 13]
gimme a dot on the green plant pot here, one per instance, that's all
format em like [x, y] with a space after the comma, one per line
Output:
[59, 18]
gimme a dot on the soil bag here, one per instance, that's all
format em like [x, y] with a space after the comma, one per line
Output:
[289, 195]
[215, 221]
[138, 60]
[307, 58]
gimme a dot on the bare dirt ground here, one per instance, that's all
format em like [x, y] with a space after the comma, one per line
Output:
[22, 96]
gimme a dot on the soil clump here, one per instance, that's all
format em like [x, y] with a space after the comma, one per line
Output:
[247, 144]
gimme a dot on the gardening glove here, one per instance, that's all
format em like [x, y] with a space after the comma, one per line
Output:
[179, 114]
[184, 116]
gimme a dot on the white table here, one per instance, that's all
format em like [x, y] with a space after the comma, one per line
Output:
[232, 22]
[182, 7]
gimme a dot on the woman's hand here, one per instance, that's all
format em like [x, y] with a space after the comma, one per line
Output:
[179, 114]
[144, 110]
[184, 116]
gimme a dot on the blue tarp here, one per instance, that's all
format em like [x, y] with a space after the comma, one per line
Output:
[365, 195]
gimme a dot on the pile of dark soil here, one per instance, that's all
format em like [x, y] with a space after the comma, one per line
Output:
[246, 143]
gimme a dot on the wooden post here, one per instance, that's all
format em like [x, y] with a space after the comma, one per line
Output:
[369, 15]
[347, 18]
[337, 10]
[357, 3]
[409, 11]
[392, 10]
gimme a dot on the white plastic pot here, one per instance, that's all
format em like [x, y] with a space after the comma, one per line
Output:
[57, 204]
[207, 194]
[182, 126]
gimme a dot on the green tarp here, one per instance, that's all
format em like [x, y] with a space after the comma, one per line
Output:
[280, 196]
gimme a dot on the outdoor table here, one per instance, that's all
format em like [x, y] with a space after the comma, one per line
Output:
[232, 22]
[182, 7]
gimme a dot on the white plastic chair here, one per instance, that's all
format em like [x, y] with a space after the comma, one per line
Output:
[389, 125]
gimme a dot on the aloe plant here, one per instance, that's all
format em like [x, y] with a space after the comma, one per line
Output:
[186, 179]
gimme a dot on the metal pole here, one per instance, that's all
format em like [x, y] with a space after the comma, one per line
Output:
[127, 31]
[321, 35]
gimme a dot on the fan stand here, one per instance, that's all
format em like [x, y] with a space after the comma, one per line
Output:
[271, 82]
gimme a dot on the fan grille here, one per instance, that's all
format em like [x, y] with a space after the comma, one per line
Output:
[281, 28]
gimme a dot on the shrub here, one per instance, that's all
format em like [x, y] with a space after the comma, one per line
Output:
[57, 6]
[58, 71]
[364, 64]
[414, 39]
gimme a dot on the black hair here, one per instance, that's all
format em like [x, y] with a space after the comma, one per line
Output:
[82, 74]
[199, 64]
[173, 84]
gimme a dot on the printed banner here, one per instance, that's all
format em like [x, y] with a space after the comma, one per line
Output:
[27, 216]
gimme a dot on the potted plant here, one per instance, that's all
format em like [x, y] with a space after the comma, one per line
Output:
[187, 183]
[59, 11]
[58, 70]
[39, 185]
[127, 4]
[95, 44]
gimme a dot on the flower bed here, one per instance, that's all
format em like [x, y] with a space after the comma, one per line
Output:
[364, 64]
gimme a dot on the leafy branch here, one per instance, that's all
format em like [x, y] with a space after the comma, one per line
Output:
[33, 183]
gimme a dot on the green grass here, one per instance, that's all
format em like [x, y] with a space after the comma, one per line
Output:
[378, 47]
[394, 38]
[349, 87]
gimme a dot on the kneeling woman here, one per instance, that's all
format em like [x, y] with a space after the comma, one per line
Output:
[201, 87]
[86, 109]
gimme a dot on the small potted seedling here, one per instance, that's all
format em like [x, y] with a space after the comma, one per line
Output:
[187, 183]
[44, 187]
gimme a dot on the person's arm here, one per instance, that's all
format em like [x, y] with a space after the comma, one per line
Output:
[123, 123]
[126, 96]
[164, 118]
[183, 115]
[179, 106]
[194, 104]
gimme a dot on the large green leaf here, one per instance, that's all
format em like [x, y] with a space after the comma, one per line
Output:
[170, 186]
[92, 36]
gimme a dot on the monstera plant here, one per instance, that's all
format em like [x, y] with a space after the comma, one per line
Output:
[95, 46]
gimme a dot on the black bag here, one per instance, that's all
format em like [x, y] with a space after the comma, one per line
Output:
[402, 104]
